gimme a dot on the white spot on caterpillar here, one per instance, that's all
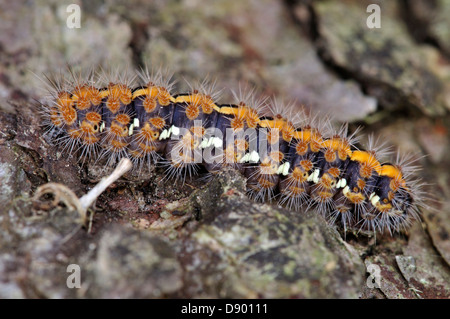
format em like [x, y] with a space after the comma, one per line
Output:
[102, 127]
[252, 157]
[314, 177]
[217, 142]
[341, 183]
[204, 143]
[130, 130]
[136, 122]
[345, 190]
[284, 168]
[175, 130]
[164, 134]
[212, 141]
[375, 199]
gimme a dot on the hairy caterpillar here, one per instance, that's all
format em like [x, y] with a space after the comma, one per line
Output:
[284, 154]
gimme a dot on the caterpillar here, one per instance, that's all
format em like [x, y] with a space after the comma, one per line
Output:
[285, 154]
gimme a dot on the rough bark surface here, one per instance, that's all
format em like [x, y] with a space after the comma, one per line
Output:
[149, 237]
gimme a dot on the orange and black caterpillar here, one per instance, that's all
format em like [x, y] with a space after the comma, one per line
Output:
[284, 155]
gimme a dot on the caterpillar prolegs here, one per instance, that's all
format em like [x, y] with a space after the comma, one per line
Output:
[285, 155]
